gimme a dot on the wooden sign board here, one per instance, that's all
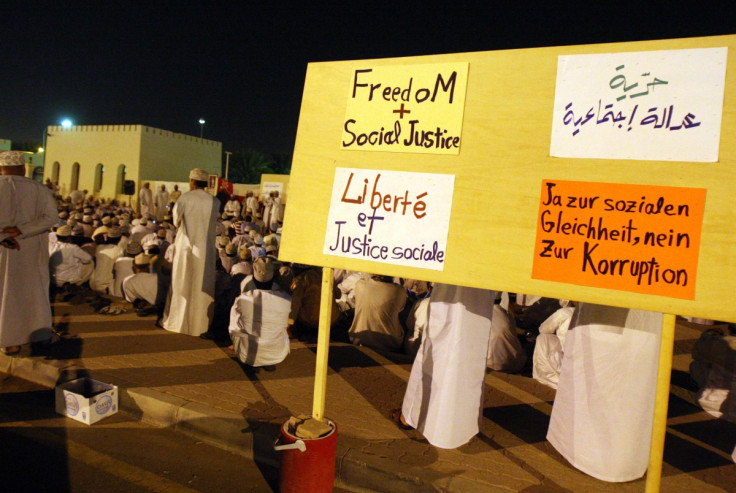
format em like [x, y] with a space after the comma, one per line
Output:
[273, 182]
[599, 173]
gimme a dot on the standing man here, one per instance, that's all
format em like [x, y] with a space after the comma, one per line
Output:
[191, 303]
[28, 211]
[602, 417]
[444, 395]
[77, 197]
[145, 200]
[251, 204]
[174, 195]
[161, 202]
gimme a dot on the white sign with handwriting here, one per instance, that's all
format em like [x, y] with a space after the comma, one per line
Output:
[390, 216]
[654, 105]
[406, 108]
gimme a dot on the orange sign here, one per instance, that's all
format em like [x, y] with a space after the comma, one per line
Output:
[638, 238]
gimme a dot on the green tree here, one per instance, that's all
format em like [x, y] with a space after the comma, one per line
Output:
[247, 166]
[281, 163]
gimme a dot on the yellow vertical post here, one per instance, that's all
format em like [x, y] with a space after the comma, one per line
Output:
[323, 345]
[661, 401]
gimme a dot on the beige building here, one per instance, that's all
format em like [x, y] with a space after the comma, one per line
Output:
[100, 158]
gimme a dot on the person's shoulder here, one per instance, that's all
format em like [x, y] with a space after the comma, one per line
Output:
[28, 182]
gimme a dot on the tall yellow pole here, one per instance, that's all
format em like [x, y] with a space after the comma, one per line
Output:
[661, 400]
[323, 345]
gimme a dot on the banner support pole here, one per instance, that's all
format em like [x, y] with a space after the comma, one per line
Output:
[323, 345]
[661, 402]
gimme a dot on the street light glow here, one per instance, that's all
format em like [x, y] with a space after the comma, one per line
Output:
[201, 121]
[66, 123]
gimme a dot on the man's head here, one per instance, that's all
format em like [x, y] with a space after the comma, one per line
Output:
[163, 188]
[113, 235]
[142, 263]
[176, 187]
[263, 272]
[63, 233]
[12, 163]
[231, 250]
[145, 185]
[198, 178]
[134, 248]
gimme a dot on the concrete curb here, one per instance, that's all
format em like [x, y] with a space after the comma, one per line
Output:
[353, 469]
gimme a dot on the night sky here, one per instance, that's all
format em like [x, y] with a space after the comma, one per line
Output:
[242, 68]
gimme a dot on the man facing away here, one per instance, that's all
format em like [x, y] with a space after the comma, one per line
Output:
[190, 305]
[68, 263]
[259, 317]
[28, 211]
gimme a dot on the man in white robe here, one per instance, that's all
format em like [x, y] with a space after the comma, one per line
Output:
[259, 317]
[549, 345]
[505, 352]
[161, 202]
[145, 200]
[232, 207]
[602, 415]
[27, 211]
[105, 257]
[444, 396]
[275, 215]
[142, 285]
[190, 306]
[76, 197]
[69, 263]
[267, 203]
[251, 204]
[123, 267]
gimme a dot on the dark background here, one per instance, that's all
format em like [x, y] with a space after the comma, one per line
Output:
[242, 67]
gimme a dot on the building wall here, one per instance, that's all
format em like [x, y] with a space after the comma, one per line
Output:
[115, 147]
[169, 156]
[5, 144]
[143, 153]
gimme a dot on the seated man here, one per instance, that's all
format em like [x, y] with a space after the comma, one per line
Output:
[505, 352]
[714, 369]
[306, 294]
[123, 267]
[548, 347]
[378, 302]
[68, 262]
[105, 257]
[259, 318]
[232, 207]
[141, 287]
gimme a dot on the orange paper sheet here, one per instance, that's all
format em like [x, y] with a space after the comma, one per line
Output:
[638, 238]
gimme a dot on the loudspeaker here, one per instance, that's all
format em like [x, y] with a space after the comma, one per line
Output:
[129, 187]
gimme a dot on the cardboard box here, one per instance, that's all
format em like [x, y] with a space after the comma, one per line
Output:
[86, 400]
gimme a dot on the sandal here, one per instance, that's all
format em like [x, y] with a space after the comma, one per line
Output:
[398, 418]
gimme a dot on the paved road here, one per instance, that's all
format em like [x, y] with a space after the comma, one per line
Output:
[43, 451]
